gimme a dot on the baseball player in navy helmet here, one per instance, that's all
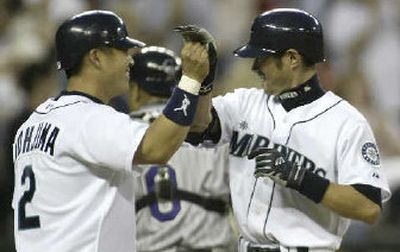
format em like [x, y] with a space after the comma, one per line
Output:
[303, 161]
[183, 205]
[74, 157]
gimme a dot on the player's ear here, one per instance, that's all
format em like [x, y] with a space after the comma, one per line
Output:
[294, 58]
[94, 57]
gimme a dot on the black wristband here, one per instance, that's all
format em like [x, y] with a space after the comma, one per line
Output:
[181, 107]
[313, 186]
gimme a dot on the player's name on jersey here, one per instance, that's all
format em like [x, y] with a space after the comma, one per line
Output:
[243, 143]
[36, 137]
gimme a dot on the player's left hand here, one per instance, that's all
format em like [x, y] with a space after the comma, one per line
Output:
[271, 163]
[193, 33]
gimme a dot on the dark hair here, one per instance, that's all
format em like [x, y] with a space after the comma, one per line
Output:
[75, 69]
[307, 62]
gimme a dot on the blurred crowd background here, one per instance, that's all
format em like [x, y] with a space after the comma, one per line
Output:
[362, 45]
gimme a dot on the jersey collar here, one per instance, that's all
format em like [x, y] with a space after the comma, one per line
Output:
[65, 92]
[301, 95]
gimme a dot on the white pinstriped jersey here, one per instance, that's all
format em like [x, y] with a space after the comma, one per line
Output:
[73, 178]
[167, 226]
[328, 136]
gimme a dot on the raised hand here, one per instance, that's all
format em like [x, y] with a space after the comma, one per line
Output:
[193, 33]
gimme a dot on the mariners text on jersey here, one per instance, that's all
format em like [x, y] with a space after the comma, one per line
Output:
[41, 137]
[242, 144]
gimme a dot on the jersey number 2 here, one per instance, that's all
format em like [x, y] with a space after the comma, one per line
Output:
[25, 222]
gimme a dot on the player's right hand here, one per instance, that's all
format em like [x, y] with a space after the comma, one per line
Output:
[272, 164]
[195, 62]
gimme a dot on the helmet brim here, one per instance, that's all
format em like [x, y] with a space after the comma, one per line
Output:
[128, 43]
[250, 51]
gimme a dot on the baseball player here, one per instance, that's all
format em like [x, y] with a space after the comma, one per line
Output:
[182, 206]
[74, 155]
[303, 161]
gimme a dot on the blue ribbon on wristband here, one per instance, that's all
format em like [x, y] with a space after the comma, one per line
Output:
[181, 107]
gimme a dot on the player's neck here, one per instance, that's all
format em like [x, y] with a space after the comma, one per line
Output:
[300, 77]
[88, 86]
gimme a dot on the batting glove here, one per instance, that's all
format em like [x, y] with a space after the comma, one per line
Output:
[195, 33]
[272, 164]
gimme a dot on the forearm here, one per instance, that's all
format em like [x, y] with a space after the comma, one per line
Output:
[342, 199]
[169, 130]
[349, 203]
[203, 114]
[345, 200]
[161, 148]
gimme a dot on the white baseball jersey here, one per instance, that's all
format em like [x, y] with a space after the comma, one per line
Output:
[327, 136]
[168, 225]
[73, 177]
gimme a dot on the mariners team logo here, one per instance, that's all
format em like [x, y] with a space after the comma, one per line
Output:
[370, 153]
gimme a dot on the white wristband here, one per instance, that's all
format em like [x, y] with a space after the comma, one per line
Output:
[189, 85]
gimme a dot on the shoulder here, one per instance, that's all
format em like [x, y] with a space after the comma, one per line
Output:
[347, 119]
[348, 112]
[105, 115]
[243, 95]
[75, 110]
[249, 92]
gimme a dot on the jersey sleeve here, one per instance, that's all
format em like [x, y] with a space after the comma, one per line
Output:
[109, 139]
[228, 110]
[359, 160]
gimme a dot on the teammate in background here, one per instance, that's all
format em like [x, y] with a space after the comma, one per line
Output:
[182, 206]
[303, 161]
[75, 155]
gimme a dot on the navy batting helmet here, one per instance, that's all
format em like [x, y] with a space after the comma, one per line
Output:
[156, 70]
[90, 29]
[280, 29]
